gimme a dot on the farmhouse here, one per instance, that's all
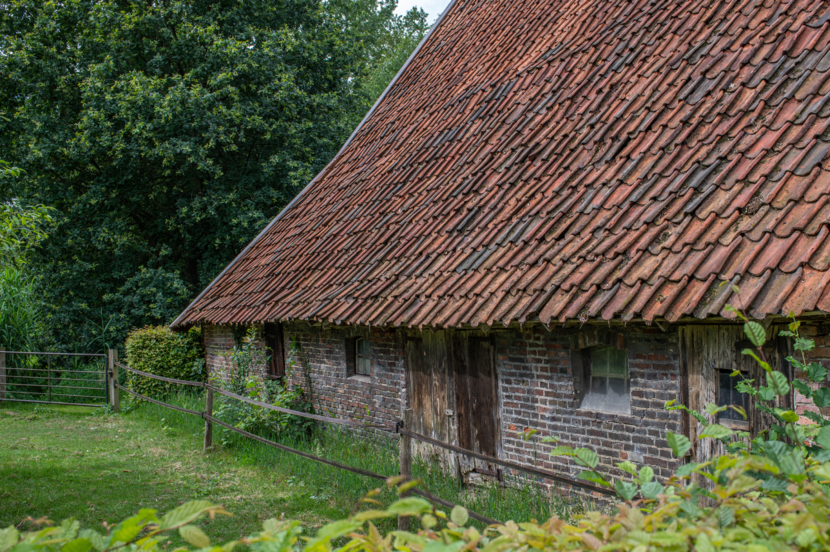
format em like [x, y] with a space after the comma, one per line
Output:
[541, 221]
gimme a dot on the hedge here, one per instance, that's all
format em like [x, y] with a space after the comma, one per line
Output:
[158, 350]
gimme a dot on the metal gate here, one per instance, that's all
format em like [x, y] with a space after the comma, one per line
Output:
[78, 379]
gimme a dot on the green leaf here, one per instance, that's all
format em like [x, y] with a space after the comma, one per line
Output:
[594, 477]
[651, 489]
[628, 467]
[804, 344]
[367, 515]
[756, 333]
[716, 431]
[803, 388]
[77, 545]
[712, 409]
[646, 474]
[586, 457]
[8, 537]
[823, 438]
[778, 382]
[562, 450]
[816, 372]
[95, 538]
[337, 529]
[745, 386]
[679, 444]
[821, 397]
[775, 484]
[686, 470]
[788, 416]
[409, 506]
[185, 514]
[625, 489]
[726, 516]
[459, 516]
[766, 393]
[195, 536]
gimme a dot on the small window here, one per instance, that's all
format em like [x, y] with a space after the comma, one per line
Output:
[729, 396]
[358, 362]
[607, 386]
[361, 357]
[276, 354]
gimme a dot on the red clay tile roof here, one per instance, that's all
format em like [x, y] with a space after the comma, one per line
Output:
[559, 159]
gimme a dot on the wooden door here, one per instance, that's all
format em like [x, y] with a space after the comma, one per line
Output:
[427, 381]
[476, 400]
[705, 350]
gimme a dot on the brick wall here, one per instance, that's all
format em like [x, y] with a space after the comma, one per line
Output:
[535, 386]
[218, 341]
[318, 361]
[536, 391]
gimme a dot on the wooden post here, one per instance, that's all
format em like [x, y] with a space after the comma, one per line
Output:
[2, 374]
[208, 424]
[406, 462]
[112, 369]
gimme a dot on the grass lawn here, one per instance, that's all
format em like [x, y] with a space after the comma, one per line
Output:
[66, 462]
[62, 462]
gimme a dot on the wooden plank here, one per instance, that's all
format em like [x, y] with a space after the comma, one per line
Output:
[405, 451]
[208, 440]
[2, 374]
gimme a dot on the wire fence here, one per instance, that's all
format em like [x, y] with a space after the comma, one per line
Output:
[78, 379]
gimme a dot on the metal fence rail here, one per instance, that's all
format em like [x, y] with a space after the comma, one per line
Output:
[53, 378]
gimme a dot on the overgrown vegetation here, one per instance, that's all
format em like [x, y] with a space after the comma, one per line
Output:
[167, 134]
[160, 351]
[242, 379]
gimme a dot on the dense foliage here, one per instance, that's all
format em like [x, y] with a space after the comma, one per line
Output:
[245, 360]
[160, 351]
[167, 134]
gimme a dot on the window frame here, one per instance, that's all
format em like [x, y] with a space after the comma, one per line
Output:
[358, 363]
[588, 377]
[732, 422]
[275, 345]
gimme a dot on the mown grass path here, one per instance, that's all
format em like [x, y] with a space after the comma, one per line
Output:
[64, 462]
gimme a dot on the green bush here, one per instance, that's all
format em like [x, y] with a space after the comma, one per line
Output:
[244, 380]
[160, 351]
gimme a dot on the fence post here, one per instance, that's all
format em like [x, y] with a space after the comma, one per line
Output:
[112, 369]
[2, 373]
[406, 462]
[208, 424]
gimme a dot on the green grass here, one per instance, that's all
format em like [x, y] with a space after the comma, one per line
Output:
[65, 462]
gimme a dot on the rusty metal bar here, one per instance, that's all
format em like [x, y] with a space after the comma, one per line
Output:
[507, 464]
[160, 378]
[148, 399]
[53, 402]
[52, 354]
[326, 419]
[264, 441]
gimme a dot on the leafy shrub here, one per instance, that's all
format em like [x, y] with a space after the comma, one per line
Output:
[243, 380]
[160, 351]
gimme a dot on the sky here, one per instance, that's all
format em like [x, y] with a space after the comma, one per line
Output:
[432, 7]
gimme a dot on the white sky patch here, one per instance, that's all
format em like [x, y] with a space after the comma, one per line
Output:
[432, 7]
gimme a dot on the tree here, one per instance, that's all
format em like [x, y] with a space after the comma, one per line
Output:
[166, 134]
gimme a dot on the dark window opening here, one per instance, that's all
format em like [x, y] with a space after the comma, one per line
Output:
[606, 380]
[729, 396]
[358, 362]
[276, 352]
